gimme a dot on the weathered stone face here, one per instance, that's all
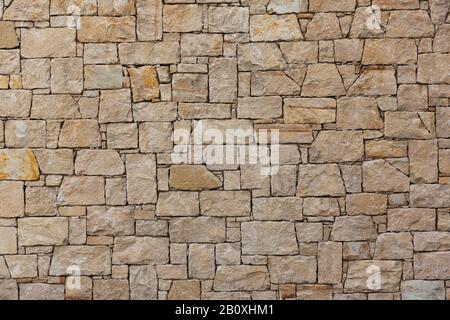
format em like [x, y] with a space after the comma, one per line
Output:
[268, 238]
[92, 260]
[140, 250]
[43, 231]
[355, 228]
[320, 180]
[232, 278]
[224, 149]
[360, 271]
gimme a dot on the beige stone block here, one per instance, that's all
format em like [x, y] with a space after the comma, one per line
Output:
[320, 180]
[15, 103]
[193, 177]
[228, 19]
[25, 134]
[155, 137]
[80, 190]
[209, 230]
[232, 278]
[67, 75]
[11, 199]
[79, 134]
[277, 208]
[8, 240]
[182, 18]
[268, 238]
[140, 250]
[110, 221]
[178, 203]
[185, 290]
[40, 201]
[275, 28]
[55, 106]
[366, 203]
[358, 276]
[394, 246]
[107, 29]
[411, 219]
[353, 228]
[292, 269]
[9, 37]
[141, 179]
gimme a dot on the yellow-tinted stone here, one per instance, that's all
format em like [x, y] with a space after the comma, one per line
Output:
[144, 83]
[185, 177]
[18, 164]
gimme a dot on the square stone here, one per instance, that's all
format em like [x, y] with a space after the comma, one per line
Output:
[67, 75]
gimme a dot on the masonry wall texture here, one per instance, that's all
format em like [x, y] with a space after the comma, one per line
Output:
[91, 92]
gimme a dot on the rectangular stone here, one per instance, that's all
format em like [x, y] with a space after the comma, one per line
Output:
[432, 266]
[58, 42]
[225, 203]
[110, 221]
[81, 190]
[233, 278]
[141, 178]
[277, 208]
[223, 80]
[423, 161]
[259, 107]
[15, 103]
[43, 231]
[228, 19]
[360, 273]
[430, 195]
[204, 111]
[103, 76]
[8, 241]
[107, 29]
[208, 230]
[149, 19]
[194, 44]
[11, 199]
[411, 219]
[92, 260]
[292, 269]
[140, 250]
[140, 53]
[329, 258]
[9, 62]
[268, 238]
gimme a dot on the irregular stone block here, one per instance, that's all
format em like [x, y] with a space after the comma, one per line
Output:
[320, 180]
[353, 228]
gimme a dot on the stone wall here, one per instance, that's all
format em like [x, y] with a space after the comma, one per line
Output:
[96, 204]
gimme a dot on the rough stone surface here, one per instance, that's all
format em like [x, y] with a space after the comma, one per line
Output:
[224, 149]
